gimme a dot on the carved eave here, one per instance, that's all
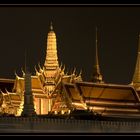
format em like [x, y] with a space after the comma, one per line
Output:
[77, 78]
[62, 72]
[40, 77]
[39, 82]
[58, 85]
[59, 104]
[17, 77]
[17, 84]
[7, 93]
[48, 93]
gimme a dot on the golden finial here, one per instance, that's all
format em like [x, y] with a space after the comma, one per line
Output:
[63, 68]
[40, 69]
[51, 26]
[1, 91]
[15, 73]
[66, 73]
[6, 90]
[23, 72]
[35, 69]
[61, 65]
[80, 72]
[74, 70]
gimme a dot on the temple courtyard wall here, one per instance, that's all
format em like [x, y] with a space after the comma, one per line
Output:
[51, 125]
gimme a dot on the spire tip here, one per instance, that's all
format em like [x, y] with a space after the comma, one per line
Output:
[51, 26]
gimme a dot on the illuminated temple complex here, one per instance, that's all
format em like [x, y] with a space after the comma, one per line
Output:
[46, 84]
[52, 92]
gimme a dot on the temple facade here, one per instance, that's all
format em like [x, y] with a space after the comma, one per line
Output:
[46, 84]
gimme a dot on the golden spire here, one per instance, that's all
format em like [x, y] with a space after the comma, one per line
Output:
[136, 76]
[96, 53]
[97, 77]
[51, 61]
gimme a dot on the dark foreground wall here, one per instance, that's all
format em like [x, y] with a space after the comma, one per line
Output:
[46, 125]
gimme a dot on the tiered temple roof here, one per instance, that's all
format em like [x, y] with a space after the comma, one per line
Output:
[107, 100]
[6, 84]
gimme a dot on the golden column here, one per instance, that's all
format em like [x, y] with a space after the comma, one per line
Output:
[28, 106]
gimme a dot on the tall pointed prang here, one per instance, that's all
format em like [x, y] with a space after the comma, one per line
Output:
[51, 61]
[96, 77]
[136, 76]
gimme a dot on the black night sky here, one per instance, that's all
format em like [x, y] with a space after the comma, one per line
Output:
[27, 28]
